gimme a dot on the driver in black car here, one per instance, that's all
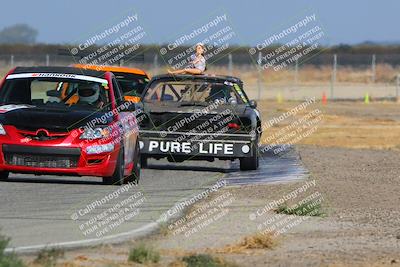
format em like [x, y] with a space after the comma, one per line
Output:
[89, 94]
[219, 92]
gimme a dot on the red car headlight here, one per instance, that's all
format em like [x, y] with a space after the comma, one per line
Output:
[2, 130]
[95, 133]
[97, 149]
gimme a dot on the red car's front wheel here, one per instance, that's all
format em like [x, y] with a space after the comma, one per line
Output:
[4, 176]
[118, 176]
[135, 176]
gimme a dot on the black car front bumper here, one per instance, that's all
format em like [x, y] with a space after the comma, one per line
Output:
[196, 145]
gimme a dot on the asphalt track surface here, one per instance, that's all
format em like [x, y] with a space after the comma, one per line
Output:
[47, 211]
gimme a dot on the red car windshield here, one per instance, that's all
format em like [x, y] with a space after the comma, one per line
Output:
[57, 92]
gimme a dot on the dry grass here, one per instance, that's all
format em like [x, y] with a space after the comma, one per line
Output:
[201, 260]
[144, 254]
[3, 72]
[178, 263]
[256, 241]
[313, 74]
[377, 264]
[306, 73]
[344, 124]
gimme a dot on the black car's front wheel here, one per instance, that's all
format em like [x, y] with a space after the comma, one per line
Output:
[250, 163]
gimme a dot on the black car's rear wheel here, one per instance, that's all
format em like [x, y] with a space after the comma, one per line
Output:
[250, 163]
[135, 176]
[4, 176]
[118, 176]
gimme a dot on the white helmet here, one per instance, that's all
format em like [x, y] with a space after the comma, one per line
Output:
[88, 93]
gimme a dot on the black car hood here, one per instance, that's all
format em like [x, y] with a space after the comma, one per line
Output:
[172, 117]
[53, 119]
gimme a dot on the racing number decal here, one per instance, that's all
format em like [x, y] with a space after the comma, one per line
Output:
[187, 148]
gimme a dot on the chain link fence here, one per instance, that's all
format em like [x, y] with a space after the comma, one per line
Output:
[336, 76]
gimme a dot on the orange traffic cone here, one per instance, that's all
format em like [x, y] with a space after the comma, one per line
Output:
[324, 98]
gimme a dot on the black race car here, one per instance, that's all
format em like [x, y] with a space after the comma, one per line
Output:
[199, 117]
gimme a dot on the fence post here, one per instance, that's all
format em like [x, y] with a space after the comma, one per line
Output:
[155, 63]
[12, 61]
[230, 65]
[296, 73]
[373, 67]
[398, 88]
[333, 79]
[259, 76]
[47, 60]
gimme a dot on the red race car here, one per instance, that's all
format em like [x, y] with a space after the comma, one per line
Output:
[41, 132]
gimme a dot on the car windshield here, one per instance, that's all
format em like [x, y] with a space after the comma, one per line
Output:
[195, 92]
[131, 84]
[56, 92]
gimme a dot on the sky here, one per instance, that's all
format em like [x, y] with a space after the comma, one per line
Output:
[73, 21]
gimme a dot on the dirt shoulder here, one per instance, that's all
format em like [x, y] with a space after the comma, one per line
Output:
[360, 190]
[361, 226]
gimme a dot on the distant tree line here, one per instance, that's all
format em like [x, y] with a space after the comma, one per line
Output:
[21, 39]
[18, 34]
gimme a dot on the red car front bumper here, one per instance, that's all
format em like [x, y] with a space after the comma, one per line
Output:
[65, 155]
